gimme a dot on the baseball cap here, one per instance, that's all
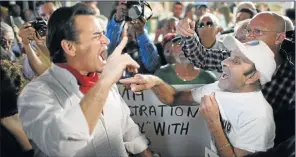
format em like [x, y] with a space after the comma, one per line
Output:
[177, 39]
[256, 51]
[167, 38]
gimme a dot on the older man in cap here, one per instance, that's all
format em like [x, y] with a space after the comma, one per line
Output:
[238, 116]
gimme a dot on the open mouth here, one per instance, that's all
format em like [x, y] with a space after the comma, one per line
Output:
[101, 57]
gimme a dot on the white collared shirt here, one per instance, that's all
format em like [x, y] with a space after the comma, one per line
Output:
[52, 117]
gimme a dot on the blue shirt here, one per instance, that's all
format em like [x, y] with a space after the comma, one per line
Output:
[147, 50]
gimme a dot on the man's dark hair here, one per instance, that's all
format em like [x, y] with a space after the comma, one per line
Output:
[290, 13]
[61, 26]
[39, 3]
[246, 10]
[12, 82]
[15, 10]
[178, 3]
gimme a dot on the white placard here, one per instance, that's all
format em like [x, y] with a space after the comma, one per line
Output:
[173, 131]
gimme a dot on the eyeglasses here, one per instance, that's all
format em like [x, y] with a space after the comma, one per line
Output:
[256, 32]
[177, 42]
[7, 41]
[208, 24]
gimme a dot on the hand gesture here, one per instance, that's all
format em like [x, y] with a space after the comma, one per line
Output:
[27, 33]
[138, 26]
[185, 27]
[140, 82]
[117, 63]
[210, 111]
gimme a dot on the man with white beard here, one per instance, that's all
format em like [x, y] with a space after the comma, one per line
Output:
[182, 71]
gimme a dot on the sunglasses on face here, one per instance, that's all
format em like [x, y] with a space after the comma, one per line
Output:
[208, 24]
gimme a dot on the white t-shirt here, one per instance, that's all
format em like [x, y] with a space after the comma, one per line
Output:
[247, 117]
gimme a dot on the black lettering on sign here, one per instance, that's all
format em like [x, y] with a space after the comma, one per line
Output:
[177, 128]
[134, 96]
[125, 91]
[152, 110]
[226, 125]
[190, 112]
[184, 129]
[172, 111]
[159, 129]
[141, 127]
[179, 111]
[134, 110]
[143, 109]
[161, 110]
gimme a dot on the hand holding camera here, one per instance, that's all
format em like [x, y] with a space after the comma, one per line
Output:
[138, 26]
[35, 30]
[27, 33]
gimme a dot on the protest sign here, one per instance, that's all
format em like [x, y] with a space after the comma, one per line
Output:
[172, 131]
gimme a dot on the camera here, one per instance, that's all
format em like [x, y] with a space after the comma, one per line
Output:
[138, 10]
[40, 25]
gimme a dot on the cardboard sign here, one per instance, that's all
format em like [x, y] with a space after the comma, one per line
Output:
[172, 131]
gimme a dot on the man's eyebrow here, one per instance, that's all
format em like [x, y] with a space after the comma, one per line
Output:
[97, 32]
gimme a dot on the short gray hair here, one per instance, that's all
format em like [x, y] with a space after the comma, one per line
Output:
[242, 24]
[5, 28]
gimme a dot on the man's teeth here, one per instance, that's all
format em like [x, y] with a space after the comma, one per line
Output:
[102, 59]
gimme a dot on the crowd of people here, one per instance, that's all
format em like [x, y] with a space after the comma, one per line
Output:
[58, 89]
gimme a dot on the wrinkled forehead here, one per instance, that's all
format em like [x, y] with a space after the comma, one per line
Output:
[263, 21]
[238, 53]
[8, 35]
[88, 23]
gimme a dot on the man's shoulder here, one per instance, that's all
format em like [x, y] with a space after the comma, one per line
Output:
[40, 83]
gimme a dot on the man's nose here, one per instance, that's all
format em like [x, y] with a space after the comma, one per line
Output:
[105, 40]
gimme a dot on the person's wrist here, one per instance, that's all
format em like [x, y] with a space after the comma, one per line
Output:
[214, 126]
[105, 81]
[26, 42]
[157, 81]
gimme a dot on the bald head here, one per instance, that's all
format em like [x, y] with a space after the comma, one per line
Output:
[289, 24]
[272, 21]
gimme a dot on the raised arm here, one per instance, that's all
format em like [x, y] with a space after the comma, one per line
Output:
[39, 60]
[201, 57]
[164, 92]
[147, 50]
[207, 59]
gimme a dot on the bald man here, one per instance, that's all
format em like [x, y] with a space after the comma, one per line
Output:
[280, 92]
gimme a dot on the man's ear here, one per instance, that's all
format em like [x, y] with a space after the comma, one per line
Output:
[68, 48]
[252, 78]
[280, 38]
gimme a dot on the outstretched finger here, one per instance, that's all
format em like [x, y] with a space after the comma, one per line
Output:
[131, 80]
[120, 47]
